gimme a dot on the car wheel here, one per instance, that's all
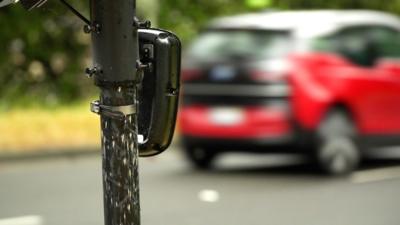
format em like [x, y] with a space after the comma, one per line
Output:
[200, 158]
[337, 152]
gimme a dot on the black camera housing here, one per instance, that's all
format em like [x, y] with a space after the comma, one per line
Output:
[160, 51]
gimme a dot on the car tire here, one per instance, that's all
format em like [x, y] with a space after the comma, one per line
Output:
[200, 158]
[337, 152]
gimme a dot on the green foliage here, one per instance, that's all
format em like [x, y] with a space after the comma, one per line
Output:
[186, 18]
[256, 4]
[391, 6]
[43, 53]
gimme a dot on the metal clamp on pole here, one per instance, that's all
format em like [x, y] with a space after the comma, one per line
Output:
[118, 112]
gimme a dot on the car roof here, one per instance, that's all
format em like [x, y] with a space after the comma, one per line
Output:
[306, 23]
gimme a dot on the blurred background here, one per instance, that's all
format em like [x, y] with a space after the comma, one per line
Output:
[50, 167]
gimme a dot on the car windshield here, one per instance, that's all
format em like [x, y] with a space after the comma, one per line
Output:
[251, 44]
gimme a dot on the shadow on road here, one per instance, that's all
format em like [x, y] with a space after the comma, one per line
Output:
[289, 166]
[379, 163]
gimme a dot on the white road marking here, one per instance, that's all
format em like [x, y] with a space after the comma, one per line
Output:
[24, 220]
[210, 196]
[375, 175]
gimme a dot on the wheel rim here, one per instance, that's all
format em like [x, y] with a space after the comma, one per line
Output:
[339, 155]
[339, 163]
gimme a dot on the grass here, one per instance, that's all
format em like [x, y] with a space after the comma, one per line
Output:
[33, 129]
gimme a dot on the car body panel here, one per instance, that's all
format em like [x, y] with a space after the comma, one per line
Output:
[371, 94]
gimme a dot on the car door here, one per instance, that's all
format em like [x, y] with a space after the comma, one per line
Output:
[372, 94]
[386, 68]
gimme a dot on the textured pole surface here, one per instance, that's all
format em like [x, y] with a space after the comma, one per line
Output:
[120, 163]
[115, 49]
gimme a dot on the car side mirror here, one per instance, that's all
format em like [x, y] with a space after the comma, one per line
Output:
[160, 51]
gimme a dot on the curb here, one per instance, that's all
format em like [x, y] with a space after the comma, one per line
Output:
[47, 154]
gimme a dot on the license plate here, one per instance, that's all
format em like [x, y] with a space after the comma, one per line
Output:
[226, 116]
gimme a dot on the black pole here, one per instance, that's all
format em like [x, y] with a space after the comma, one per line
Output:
[115, 48]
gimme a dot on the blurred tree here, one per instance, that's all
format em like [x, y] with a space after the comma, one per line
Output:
[257, 4]
[392, 6]
[148, 9]
[44, 52]
[187, 17]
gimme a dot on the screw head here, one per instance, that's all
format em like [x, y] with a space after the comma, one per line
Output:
[91, 71]
[87, 29]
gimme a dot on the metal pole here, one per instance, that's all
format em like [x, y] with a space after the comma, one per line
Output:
[115, 48]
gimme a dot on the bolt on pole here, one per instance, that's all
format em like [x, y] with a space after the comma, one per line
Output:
[115, 48]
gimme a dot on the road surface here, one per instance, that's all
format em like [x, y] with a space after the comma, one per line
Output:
[242, 190]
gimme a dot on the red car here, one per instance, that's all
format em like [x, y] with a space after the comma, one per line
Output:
[323, 83]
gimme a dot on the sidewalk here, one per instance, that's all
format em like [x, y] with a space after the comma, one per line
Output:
[7, 156]
[48, 133]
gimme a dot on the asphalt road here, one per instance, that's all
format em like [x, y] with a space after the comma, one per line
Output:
[251, 190]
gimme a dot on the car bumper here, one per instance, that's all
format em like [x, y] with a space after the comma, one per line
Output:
[280, 144]
[262, 129]
[232, 123]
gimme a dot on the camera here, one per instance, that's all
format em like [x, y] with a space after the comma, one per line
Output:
[160, 50]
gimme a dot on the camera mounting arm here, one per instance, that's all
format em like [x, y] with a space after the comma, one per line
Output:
[76, 12]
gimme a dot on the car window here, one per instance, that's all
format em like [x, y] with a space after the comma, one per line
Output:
[355, 45]
[242, 44]
[351, 43]
[362, 45]
[386, 40]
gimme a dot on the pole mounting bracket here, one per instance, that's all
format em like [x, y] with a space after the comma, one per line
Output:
[118, 112]
[146, 24]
